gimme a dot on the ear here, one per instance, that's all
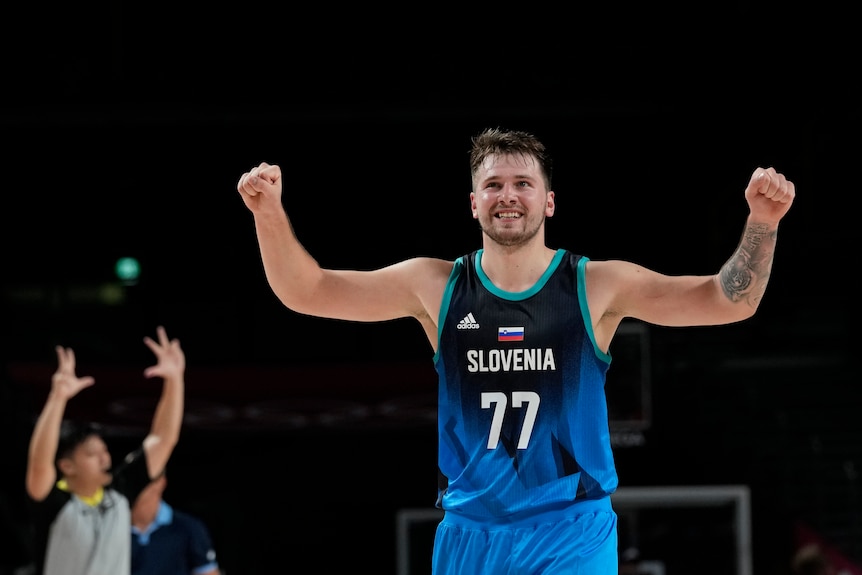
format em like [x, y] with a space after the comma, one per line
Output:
[66, 466]
[473, 205]
[550, 205]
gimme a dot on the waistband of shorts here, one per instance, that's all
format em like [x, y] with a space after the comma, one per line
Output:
[527, 518]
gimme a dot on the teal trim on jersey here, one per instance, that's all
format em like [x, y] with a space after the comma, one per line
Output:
[447, 298]
[585, 309]
[517, 296]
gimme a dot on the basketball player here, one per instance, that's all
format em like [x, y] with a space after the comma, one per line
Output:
[520, 333]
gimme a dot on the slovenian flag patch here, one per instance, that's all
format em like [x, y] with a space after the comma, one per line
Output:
[510, 334]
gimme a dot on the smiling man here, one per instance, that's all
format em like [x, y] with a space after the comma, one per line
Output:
[520, 334]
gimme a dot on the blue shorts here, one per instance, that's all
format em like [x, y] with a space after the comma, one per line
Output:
[578, 540]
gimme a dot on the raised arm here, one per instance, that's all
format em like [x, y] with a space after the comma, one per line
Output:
[744, 276]
[41, 471]
[619, 289]
[168, 417]
[412, 288]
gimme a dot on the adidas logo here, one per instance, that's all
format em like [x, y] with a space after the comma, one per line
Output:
[469, 322]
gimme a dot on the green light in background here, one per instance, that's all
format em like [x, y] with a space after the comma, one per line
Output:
[128, 269]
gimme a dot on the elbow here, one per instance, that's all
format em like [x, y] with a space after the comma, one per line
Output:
[741, 310]
[742, 299]
[747, 304]
[746, 312]
[301, 294]
[163, 442]
[169, 440]
[37, 487]
[290, 301]
[299, 303]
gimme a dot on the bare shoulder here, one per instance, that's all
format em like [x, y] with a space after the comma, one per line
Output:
[428, 277]
[427, 271]
[610, 284]
[408, 272]
[602, 278]
[607, 283]
[426, 267]
[619, 275]
[605, 269]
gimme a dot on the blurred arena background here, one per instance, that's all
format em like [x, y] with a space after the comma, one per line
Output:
[126, 129]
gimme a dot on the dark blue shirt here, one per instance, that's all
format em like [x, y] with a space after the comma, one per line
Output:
[176, 543]
[522, 415]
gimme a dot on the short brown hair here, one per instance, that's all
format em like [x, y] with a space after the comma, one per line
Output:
[492, 141]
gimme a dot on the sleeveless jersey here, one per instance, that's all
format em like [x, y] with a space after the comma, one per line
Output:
[522, 413]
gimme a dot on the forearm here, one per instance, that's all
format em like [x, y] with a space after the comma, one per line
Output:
[291, 271]
[168, 417]
[43, 446]
[744, 276]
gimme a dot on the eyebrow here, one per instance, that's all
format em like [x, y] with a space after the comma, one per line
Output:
[514, 177]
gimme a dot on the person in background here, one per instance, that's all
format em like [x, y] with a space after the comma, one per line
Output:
[167, 541]
[811, 560]
[520, 333]
[80, 499]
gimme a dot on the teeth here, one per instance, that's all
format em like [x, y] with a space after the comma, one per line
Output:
[508, 215]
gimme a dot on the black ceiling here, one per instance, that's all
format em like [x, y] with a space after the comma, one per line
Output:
[127, 128]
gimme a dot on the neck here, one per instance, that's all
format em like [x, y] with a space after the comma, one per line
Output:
[515, 268]
[143, 514]
[84, 490]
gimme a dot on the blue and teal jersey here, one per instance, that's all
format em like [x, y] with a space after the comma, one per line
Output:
[522, 413]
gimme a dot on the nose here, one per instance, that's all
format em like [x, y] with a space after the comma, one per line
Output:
[508, 193]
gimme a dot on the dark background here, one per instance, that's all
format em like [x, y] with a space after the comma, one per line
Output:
[126, 129]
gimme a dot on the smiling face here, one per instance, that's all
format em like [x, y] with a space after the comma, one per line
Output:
[510, 199]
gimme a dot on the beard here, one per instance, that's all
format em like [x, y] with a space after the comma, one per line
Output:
[514, 235]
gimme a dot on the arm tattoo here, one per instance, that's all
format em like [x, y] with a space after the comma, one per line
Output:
[746, 273]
